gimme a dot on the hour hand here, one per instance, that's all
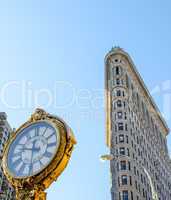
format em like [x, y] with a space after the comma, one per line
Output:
[32, 149]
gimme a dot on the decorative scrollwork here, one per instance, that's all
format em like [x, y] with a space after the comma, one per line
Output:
[39, 114]
[25, 194]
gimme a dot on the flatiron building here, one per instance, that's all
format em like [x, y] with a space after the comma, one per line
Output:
[136, 134]
[6, 191]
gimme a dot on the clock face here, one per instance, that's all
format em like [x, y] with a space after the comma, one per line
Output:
[33, 149]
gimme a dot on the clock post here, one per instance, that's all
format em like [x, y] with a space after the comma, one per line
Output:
[36, 154]
[28, 194]
[40, 195]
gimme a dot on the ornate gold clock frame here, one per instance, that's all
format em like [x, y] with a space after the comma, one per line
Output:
[33, 188]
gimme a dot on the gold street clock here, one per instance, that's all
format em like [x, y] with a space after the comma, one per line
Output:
[36, 154]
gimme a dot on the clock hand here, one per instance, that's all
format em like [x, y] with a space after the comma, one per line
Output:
[32, 149]
[34, 146]
[31, 163]
[36, 149]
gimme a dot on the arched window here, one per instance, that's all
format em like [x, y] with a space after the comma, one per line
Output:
[117, 71]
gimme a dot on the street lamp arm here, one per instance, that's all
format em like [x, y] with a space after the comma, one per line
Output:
[107, 157]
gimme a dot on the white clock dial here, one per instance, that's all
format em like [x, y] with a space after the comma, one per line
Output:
[33, 149]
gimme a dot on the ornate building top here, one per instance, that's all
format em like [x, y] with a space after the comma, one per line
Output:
[154, 107]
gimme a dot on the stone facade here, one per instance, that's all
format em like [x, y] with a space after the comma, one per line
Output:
[136, 134]
[6, 191]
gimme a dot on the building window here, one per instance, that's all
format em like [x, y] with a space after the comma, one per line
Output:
[129, 165]
[130, 179]
[125, 115]
[119, 104]
[128, 154]
[136, 185]
[141, 178]
[127, 139]
[123, 165]
[122, 150]
[118, 182]
[119, 115]
[124, 180]
[117, 70]
[119, 196]
[120, 127]
[118, 93]
[132, 197]
[125, 195]
[126, 127]
[133, 155]
[121, 138]
[138, 173]
[117, 81]
[137, 140]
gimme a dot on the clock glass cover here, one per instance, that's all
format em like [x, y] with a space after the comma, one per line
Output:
[33, 149]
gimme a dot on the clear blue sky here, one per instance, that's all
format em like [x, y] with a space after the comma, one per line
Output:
[44, 42]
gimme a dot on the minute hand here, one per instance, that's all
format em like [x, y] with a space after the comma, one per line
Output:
[32, 149]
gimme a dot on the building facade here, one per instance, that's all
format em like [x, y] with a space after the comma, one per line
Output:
[6, 191]
[136, 134]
